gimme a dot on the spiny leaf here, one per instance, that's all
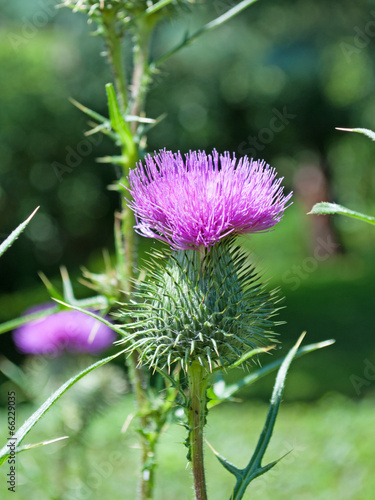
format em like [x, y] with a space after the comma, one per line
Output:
[255, 467]
[364, 131]
[14, 235]
[325, 208]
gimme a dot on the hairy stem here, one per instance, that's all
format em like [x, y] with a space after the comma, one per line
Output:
[148, 440]
[141, 73]
[197, 379]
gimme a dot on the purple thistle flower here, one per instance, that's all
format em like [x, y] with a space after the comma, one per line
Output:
[201, 200]
[71, 331]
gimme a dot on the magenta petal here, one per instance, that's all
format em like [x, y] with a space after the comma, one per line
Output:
[200, 200]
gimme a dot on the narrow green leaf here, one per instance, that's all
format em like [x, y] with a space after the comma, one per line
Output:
[22, 320]
[364, 131]
[97, 302]
[42, 443]
[225, 392]
[14, 235]
[249, 355]
[67, 286]
[89, 112]
[15, 374]
[93, 315]
[243, 358]
[53, 292]
[326, 208]
[206, 28]
[38, 414]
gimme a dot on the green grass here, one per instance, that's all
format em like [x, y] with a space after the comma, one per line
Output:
[331, 447]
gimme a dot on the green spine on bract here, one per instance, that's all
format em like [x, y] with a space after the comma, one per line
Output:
[206, 305]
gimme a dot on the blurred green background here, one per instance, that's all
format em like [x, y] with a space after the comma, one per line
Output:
[273, 83]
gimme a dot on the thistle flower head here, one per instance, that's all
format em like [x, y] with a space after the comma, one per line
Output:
[201, 199]
[209, 308]
[72, 331]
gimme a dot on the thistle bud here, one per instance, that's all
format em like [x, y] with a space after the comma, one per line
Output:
[207, 306]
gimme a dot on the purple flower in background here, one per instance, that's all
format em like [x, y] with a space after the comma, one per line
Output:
[70, 331]
[197, 201]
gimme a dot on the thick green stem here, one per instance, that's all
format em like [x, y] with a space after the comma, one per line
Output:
[197, 378]
[148, 472]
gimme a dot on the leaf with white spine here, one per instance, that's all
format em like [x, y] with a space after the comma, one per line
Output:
[255, 468]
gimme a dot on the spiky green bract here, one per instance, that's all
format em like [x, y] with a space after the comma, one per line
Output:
[201, 305]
